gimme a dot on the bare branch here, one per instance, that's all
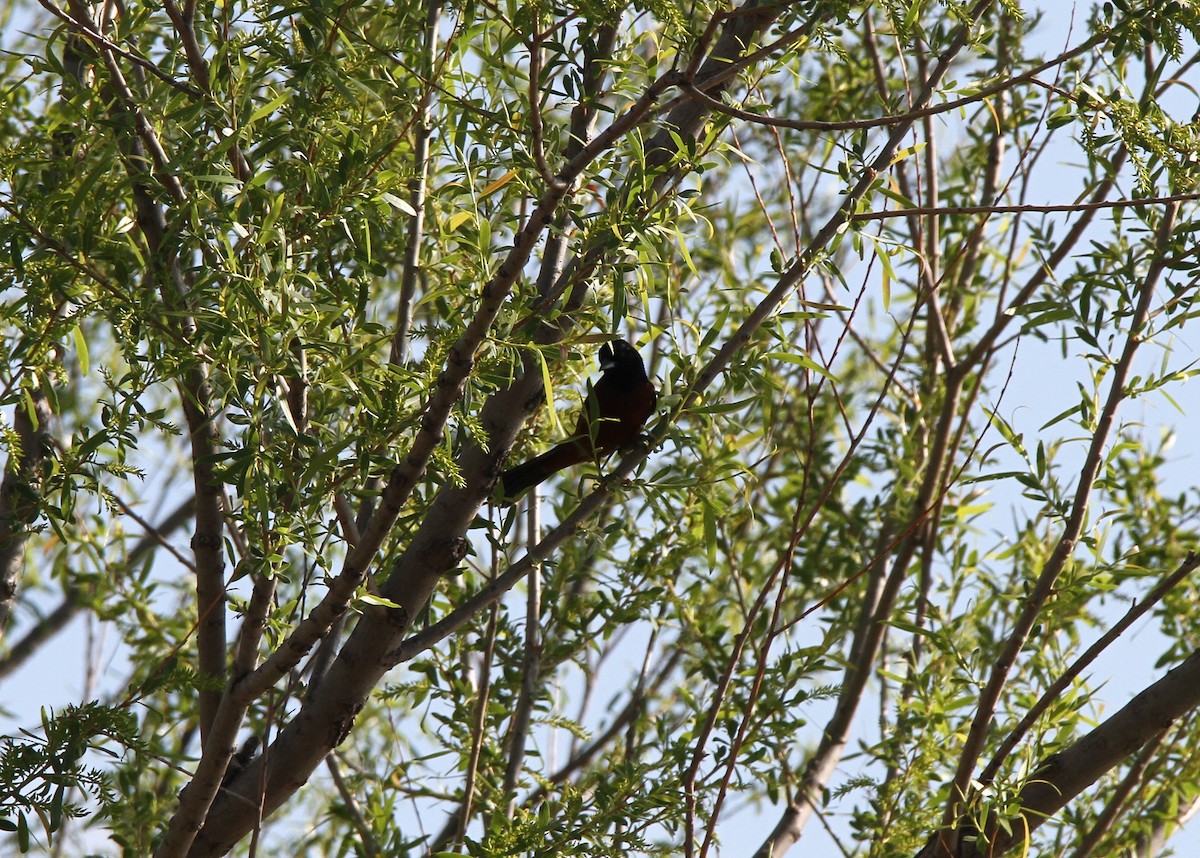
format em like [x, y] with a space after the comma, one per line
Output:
[1002, 85]
[1070, 208]
[531, 666]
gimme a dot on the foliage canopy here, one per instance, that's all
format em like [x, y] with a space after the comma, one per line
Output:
[285, 285]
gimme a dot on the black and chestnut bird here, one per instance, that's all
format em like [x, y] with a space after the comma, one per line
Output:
[616, 408]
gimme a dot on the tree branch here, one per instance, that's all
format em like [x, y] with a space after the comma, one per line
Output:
[1065, 775]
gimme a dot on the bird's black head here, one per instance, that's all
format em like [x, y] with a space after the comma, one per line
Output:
[621, 360]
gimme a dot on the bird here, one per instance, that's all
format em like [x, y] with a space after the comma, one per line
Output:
[614, 411]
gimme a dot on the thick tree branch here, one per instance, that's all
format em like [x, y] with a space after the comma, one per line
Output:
[1062, 777]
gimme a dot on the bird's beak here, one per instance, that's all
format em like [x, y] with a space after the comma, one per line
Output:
[607, 358]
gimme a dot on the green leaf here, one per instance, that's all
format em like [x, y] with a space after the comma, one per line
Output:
[373, 599]
[398, 204]
[81, 349]
[801, 360]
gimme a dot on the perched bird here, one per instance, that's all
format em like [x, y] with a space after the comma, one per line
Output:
[616, 408]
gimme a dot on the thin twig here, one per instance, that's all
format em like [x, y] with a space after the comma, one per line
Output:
[366, 836]
[697, 92]
[87, 30]
[1097, 205]
[531, 664]
[1111, 811]
[417, 191]
[155, 536]
[477, 729]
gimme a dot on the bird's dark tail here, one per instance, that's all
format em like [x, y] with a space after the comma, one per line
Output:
[517, 480]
